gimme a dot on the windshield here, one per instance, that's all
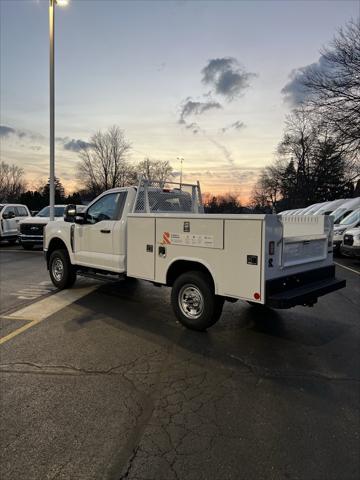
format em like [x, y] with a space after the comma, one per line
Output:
[45, 212]
[354, 217]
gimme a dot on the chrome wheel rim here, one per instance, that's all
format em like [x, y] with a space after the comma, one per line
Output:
[191, 301]
[57, 269]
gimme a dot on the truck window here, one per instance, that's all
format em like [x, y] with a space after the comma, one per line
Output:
[22, 212]
[108, 207]
[10, 210]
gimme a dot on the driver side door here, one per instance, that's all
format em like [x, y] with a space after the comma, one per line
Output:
[9, 225]
[94, 239]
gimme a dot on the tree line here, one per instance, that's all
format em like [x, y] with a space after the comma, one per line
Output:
[318, 158]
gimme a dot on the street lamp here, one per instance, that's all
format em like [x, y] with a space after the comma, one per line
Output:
[181, 169]
[52, 4]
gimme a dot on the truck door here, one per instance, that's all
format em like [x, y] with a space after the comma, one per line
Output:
[93, 241]
[9, 221]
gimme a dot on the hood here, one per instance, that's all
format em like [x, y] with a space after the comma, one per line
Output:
[40, 220]
[353, 231]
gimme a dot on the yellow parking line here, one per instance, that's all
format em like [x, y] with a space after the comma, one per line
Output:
[39, 311]
[347, 268]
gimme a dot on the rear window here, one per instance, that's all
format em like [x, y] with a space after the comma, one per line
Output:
[165, 201]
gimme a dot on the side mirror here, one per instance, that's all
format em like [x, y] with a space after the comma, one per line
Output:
[70, 213]
[8, 216]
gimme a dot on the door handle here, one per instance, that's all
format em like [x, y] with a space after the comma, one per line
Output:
[105, 231]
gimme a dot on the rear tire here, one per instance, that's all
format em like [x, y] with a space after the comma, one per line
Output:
[12, 241]
[194, 302]
[62, 273]
[27, 246]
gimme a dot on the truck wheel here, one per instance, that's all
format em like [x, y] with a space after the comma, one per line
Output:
[62, 273]
[194, 302]
[27, 246]
[12, 241]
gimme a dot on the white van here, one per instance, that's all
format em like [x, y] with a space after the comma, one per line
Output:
[345, 209]
[329, 207]
[351, 221]
[315, 208]
[10, 216]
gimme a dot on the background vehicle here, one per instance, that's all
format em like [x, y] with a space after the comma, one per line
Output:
[329, 207]
[10, 216]
[351, 243]
[351, 221]
[31, 229]
[315, 208]
[161, 235]
[345, 209]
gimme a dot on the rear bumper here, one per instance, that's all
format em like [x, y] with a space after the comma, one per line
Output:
[302, 288]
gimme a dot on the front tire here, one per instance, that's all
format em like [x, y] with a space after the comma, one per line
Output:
[62, 273]
[194, 302]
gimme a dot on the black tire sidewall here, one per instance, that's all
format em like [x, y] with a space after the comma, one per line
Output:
[212, 304]
[69, 274]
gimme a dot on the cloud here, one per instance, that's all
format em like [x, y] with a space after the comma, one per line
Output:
[6, 132]
[192, 107]
[75, 145]
[295, 92]
[238, 125]
[227, 77]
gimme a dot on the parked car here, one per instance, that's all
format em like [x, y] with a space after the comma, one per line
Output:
[345, 209]
[351, 243]
[31, 229]
[351, 221]
[10, 216]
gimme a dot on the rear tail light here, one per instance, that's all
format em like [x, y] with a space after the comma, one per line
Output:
[271, 248]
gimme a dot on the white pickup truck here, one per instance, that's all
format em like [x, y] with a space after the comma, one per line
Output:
[162, 235]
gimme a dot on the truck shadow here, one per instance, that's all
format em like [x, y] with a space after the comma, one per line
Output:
[245, 338]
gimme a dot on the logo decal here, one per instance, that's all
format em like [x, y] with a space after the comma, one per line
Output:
[166, 238]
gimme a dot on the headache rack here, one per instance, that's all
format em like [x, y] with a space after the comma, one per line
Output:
[156, 196]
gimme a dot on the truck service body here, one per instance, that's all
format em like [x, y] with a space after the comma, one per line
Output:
[163, 236]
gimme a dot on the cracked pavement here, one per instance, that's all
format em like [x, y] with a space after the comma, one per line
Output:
[111, 387]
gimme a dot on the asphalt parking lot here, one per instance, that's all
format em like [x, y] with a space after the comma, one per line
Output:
[101, 382]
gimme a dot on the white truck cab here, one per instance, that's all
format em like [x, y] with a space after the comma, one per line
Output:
[162, 235]
[10, 216]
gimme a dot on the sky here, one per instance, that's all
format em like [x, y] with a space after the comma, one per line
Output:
[200, 80]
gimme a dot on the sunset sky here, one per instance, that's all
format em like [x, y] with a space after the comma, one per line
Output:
[196, 79]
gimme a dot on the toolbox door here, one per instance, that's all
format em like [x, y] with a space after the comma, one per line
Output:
[141, 247]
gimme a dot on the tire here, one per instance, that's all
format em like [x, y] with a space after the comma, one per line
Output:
[12, 241]
[195, 286]
[62, 273]
[27, 246]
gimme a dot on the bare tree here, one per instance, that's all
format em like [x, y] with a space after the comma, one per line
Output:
[12, 183]
[159, 170]
[334, 90]
[104, 164]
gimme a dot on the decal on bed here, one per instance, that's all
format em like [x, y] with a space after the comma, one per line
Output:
[188, 239]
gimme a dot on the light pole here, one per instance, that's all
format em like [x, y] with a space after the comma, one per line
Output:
[52, 101]
[181, 170]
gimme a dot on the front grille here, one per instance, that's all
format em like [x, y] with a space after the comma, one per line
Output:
[348, 240]
[31, 229]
